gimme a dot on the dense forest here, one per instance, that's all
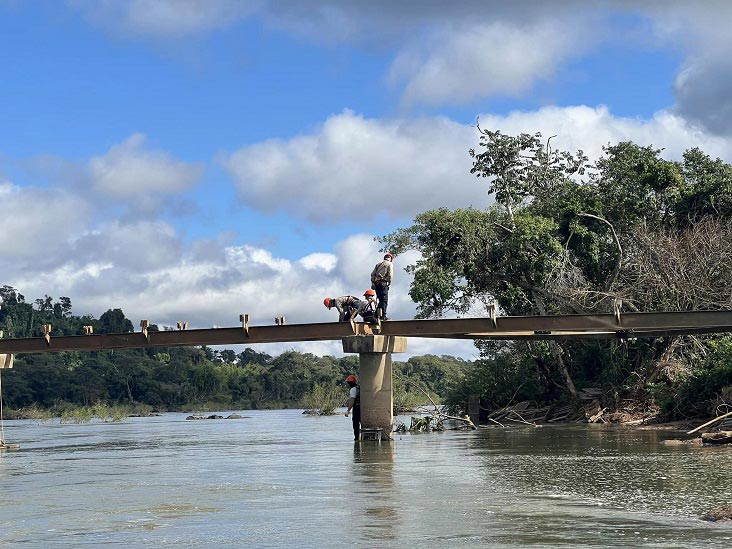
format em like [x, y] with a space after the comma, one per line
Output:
[566, 235]
[179, 378]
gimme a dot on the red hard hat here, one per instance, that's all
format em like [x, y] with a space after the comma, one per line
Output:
[351, 378]
[389, 256]
[369, 292]
[326, 302]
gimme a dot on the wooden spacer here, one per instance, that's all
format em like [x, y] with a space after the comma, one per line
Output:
[492, 314]
[144, 325]
[46, 329]
[617, 306]
[244, 319]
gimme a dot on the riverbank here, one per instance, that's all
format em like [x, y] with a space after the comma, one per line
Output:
[518, 414]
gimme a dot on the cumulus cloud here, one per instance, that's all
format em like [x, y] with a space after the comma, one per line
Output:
[37, 224]
[467, 49]
[357, 168]
[703, 86]
[484, 59]
[591, 128]
[129, 176]
[214, 290]
[130, 172]
[354, 168]
[445, 52]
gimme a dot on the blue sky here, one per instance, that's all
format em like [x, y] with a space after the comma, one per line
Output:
[191, 160]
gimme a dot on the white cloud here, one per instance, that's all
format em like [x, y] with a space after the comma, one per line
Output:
[355, 168]
[445, 52]
[213, 291]
[128, 171]
[590, 129]
[128, 177]
[37, 224]
[324, 262]
[456, 65]
[352, 168]
[459, 51]
[703, 85]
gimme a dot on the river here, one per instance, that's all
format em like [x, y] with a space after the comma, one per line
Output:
[283, 479]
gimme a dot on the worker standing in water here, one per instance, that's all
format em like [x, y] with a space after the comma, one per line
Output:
[354, 405]
[381, 278]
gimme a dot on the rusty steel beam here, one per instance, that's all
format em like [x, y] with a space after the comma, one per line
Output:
[621, 334]
[563, 323]
[530, 327]
[183, 338]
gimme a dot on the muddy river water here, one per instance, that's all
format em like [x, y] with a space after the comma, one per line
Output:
[282, 479]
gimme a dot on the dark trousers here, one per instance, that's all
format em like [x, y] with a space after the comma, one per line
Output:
[382, 294]
[356, 418]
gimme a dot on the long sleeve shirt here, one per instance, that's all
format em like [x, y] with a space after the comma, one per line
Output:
[345, 304]
[383, 272]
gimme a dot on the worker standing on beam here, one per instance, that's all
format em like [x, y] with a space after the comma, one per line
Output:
[381, 278]
[346, 305]
[354, 404]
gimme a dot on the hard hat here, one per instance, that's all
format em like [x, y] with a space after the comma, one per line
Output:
[351, 378]
[389, 256]
[326, 302]
[369, 293]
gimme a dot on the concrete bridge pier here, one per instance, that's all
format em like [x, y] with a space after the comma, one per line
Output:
[377, 396]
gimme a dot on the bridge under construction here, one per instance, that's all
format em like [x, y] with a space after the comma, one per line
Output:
[606, 326]
[376, 345]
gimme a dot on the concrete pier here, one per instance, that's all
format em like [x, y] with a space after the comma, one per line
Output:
[375, 379]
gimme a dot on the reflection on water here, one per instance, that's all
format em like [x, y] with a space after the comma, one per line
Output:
[374, 478]
[283, 479]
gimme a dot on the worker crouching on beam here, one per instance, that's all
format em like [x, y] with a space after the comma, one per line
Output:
[346, 305]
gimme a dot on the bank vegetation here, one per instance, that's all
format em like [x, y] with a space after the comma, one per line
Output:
[569, 235]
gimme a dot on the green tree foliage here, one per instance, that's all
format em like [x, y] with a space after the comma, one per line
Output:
[564, 236]
[114, 322]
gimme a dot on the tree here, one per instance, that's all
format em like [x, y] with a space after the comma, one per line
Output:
[638, 228]
[113, 321]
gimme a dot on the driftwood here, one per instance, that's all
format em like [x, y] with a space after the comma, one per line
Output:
[465, 419]
[721, 437]
[529, 412]
[708, 423]
[597, 417]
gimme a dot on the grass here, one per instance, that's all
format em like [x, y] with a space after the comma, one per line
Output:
[323, 399]
[73, 414]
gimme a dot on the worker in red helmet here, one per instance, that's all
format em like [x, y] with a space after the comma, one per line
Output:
[354, 404]
[369, 307]
[381, 278]
[346, 305]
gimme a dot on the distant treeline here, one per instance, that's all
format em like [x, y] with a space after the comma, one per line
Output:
[178, 378]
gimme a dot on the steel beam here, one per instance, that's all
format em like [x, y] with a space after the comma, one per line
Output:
[626, 325]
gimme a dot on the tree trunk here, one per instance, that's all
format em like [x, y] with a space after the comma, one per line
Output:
[557, 352]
